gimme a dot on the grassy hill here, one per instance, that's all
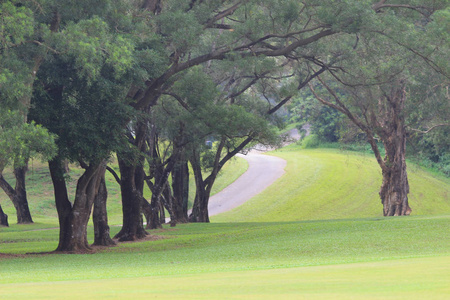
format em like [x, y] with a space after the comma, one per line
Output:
[317, 234]
[331, 184]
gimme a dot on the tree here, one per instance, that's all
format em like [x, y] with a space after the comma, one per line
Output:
[382, 83]
[19, 62]
[20, 141]
[193, 33]
[78, 95]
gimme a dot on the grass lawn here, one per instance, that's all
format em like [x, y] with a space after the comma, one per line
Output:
[285, 249]
[331, 184]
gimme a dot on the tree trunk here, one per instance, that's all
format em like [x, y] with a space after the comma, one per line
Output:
[73, 219]
[20, 200]
[18, 195]
[200, 208]
[155, 206]
[100, 217]
[166, 202]
[3, 218]
[384, 120]
[395, 188]
[132, 227]
[180, 187]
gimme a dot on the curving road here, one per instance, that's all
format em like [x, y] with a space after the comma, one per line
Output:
[262, 171]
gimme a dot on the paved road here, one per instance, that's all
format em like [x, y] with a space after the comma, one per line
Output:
[262, 171]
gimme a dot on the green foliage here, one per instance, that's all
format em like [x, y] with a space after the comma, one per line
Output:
[16, 24]
[16, 29]
[431, 150]
[91, 46]
[309, 142]
[324, 122]
[349, 16]
[21, 141]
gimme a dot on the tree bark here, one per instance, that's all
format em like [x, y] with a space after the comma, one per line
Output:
[200, 208]
[395, 187]
[102, 235]
[160, 186]
[73, 219]
[20, 199]
[200, 211]
[3, 218]
[180, 187]
[132, 227]
[18, 195]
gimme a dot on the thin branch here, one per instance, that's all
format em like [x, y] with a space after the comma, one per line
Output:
[429, 129]
[223, 14]
[269, 36]
[300, 86]
[114, 174]
[220, 26]
[342, 108]
[178, 98]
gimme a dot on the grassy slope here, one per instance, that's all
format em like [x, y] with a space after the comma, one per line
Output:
[366, 257]
[332, 184]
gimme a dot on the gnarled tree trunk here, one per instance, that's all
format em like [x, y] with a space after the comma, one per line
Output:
[18, 195]
[73, 219]
[395, 188]
[132, 227]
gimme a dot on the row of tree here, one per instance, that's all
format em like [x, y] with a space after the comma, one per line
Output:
[153, 80]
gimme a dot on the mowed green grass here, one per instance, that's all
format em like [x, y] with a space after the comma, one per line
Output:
[325, 184]
[287, 250]
[396, 258]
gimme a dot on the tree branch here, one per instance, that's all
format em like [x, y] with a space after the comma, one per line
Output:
[114, 174]
[227, 12]
[429, 129]
[300, 86]
[6, 187]
[343, 109]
